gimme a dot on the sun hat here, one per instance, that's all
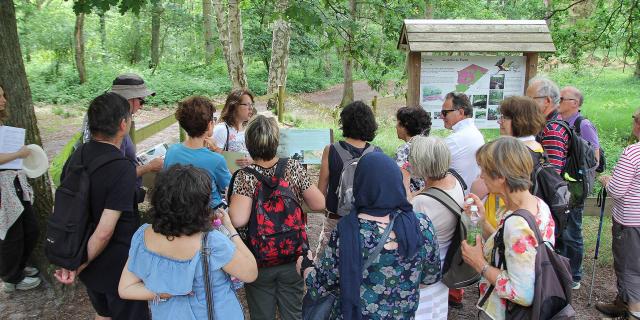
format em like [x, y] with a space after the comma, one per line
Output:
[37, 163]
[130, 86]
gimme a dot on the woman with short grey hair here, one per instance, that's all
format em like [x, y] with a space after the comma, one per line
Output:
[431, 159]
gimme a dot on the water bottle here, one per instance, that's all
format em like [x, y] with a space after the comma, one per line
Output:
[473, 229]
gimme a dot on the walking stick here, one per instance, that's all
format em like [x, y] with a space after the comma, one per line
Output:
[601, 198]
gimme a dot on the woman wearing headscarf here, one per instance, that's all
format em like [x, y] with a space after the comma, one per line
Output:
[388, 287]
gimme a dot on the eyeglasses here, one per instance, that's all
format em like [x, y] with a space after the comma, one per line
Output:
[444, 112]
[250, 105]
[567, 99]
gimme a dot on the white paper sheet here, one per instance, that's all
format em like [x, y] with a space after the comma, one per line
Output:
[11, 140]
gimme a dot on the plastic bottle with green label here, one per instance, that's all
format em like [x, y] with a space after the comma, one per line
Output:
[473, 230]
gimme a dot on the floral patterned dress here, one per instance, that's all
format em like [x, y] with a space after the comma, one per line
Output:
[402, 160]
[389, 288]
[517, 284]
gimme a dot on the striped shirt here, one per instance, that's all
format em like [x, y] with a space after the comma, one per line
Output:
[555, 141]
[624, 188]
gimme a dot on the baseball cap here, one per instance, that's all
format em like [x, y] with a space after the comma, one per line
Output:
[130, 85]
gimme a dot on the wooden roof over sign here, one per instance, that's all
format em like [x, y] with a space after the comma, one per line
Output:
[476, 36]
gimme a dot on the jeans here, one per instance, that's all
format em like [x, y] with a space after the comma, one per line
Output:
[572, 244]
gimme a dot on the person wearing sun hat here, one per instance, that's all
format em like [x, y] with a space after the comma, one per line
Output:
[133, 88]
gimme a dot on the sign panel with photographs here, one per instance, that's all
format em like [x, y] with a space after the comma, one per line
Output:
[485, 80]
[304, 145]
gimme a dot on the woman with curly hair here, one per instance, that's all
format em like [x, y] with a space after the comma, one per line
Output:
[228, 135]
[165, 264]
[195, 115]
[411, 122]
[359, 127]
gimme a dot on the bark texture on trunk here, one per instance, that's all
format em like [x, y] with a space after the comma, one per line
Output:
[223, 32]
[136, 53]
[156, 14]
[78, 42]
[279, 49]
[636, 73]
[347, 63]
[13, 79]
[236, 54]
[208, 31]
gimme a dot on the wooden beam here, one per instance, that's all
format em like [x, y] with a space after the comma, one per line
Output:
[147, 131]
[516, 37]
[480, 47]
[531, 68]
[414, 63]
[464, 22]
[477, 28]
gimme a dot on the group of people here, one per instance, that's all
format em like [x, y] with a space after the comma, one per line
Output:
[380, 253]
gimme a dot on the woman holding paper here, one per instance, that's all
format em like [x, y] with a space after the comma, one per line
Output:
[228, 135]
[195, 115]
[18, 225]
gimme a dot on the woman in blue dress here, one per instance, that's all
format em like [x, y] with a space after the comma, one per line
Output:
[165, 263]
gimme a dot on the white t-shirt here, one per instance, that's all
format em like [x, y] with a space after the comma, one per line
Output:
[443, 220]
[463, 143]
[236, 138]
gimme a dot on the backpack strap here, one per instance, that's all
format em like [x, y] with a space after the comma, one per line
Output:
[576, 124]
[205, 251]
[376, 251]
[459, 178]
[445, 199]
[226, 144]
[346, 155]
[99, 161]
[280, 167]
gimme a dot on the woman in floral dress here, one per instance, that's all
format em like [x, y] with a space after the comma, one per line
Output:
[388, 288]
[411, 122]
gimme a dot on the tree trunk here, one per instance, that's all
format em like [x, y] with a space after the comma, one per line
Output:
[428, 9]
[156, 13]
[636, 73]
[136, 54]
[103, 35]
[279, 49]
[547, 6]
[208, 31]
[347, 92]
[223, 32]
[238, 76]
[13, 79]
[78, 41]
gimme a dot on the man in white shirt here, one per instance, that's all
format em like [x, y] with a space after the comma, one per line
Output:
[465, 140]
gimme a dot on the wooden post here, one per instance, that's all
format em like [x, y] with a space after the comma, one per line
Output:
[531, 69]
[374, 105]
[413, 78]
[280, 103]
[132, 131]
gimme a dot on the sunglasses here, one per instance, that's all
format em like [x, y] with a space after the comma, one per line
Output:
[444, 112]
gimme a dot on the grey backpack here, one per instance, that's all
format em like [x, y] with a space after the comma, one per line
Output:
[345, 188]
[455, 272]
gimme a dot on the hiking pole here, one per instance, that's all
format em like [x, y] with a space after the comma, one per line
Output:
[601, 198]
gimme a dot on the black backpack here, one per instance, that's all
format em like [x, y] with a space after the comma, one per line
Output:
[70, 225]
[580, 165]
[549, 186]
[602, 161]
[455, 272]
[552, 289]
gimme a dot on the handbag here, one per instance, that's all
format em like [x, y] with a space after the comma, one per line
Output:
[320, 308]
[205, 252]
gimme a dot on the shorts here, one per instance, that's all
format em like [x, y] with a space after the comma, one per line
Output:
[111, 305]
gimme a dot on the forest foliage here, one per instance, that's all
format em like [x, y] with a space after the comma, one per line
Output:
[119, 36]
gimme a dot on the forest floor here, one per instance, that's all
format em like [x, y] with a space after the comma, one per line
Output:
[56, 129]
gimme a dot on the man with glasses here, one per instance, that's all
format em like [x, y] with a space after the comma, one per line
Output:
[554, 138]
[463, 142]
[132, 87]
[572, 244]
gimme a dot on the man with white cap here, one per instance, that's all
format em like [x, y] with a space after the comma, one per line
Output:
[132, 87]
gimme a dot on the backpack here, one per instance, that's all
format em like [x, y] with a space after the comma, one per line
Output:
[552, 288]
[276, 232]
[455, 272]
[70, 225]
[549, 186]
[580, 165]
[602, 161]
[345, 188]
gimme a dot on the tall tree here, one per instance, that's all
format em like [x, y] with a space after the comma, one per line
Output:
[223, 32]
[347, 52]
[208, 31]
[103, 33]
[156, 14]
[279, 49]
[136, 53]
[13, 80]
[236, 54]
[78, 41]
